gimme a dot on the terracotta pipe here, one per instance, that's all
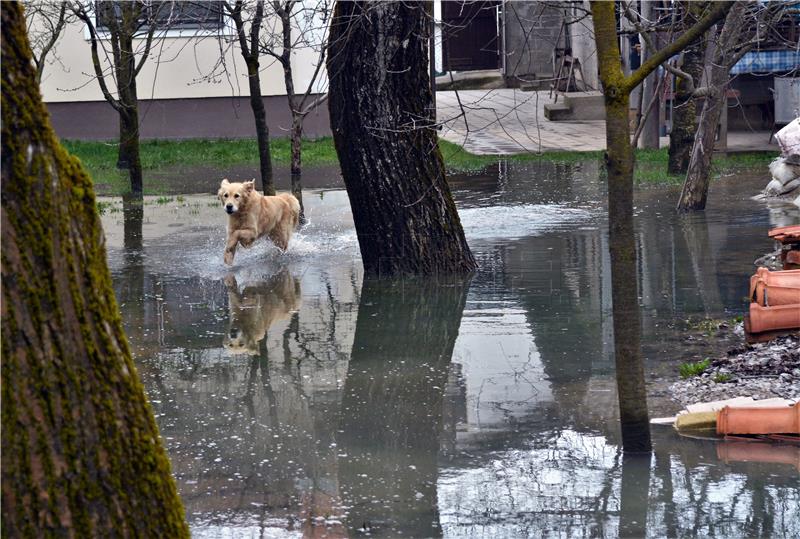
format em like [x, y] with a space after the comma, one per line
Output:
[768, 296]
[786, 278]
[759, 452]
[786, 234]
[791, 229]
[771, 318]
[782, 420]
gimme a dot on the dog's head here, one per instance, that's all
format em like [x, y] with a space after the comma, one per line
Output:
[234, 195]
[238, 341]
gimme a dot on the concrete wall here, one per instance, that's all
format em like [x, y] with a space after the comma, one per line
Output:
[531, 34]
[210, 117]
[583, 47]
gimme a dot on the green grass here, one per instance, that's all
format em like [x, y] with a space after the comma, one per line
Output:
[159, 155]
[689, 369]
[721, 378]
[164, 153]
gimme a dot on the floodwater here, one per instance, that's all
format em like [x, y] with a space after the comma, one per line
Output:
[297, 399]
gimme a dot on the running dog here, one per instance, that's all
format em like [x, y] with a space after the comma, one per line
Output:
[252, 215]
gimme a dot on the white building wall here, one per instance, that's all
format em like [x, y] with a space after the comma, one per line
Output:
[178, 67]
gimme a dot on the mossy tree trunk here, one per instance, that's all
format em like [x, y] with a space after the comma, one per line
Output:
[382, 118]
[81, 452]
[617, 88]
[684, 118]
[249, 49]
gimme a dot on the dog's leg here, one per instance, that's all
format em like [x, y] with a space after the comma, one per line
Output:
[230, 247]
[245, 237]
[230, 283]
[280, 240]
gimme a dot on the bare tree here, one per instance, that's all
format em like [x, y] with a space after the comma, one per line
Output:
[81, 452]
[279, 29]
[744, 27]
[46, 21]
[130, 28]
[619, 164]
[302, 26]
[248, 41]
[684, 110]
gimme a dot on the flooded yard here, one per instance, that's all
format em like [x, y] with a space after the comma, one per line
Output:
[297, 399]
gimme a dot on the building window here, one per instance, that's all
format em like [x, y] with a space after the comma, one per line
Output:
[203, 16]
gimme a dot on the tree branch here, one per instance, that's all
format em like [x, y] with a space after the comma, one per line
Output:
[55, 34]
[719, 11]
[148, 41]
[81, 13]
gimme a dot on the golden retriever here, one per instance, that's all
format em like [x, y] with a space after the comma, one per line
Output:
[252, 215]
[256, 308]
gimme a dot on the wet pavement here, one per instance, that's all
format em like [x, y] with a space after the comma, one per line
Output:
[508, 121]
[298, 399]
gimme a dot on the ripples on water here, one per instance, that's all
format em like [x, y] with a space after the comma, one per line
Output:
[439, 408]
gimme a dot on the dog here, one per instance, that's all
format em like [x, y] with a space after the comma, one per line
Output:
[252, 215]
[256, 308]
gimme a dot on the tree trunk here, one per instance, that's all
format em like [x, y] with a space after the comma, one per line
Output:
[129, 157]
[649, 138]
[297, 191]
[297, 141]
[695, 188]
[391, 423]
[698, 176]
[381, 117]
[684, 116]
[262, 131]
[81, 453]
[633, 412]
[129, 147]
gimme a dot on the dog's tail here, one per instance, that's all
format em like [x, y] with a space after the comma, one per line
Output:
[294, 207]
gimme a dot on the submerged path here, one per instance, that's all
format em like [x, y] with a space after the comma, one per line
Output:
[509, 121]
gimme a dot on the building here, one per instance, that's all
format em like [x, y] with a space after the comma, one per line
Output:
[193, 85]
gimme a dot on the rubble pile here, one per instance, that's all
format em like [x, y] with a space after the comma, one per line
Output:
[761, 371]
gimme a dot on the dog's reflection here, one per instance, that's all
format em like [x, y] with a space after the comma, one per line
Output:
[255, 308]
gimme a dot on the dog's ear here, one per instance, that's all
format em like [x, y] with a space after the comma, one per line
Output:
[224, 182]
[249, 186]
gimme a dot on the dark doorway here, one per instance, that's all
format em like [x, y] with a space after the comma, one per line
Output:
[471, 35]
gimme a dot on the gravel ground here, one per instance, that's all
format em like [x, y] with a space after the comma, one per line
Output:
[760, 371]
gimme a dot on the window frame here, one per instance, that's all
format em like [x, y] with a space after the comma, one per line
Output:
[226, 29]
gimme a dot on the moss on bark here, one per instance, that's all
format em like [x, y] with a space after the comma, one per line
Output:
[81, 453]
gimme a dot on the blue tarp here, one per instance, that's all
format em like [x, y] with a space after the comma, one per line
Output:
[767, 62]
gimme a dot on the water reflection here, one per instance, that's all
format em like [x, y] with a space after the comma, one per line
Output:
[133, 218]
[391, 423]
[254, 309]
[499, 393]
[634, 494]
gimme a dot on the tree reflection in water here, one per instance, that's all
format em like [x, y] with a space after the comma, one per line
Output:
[391, 418]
